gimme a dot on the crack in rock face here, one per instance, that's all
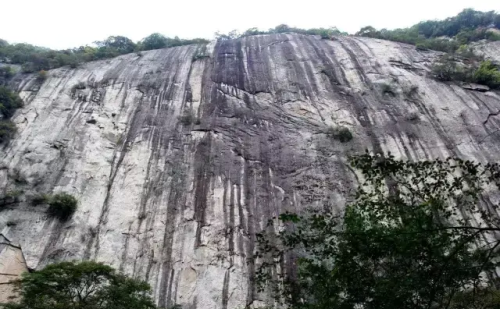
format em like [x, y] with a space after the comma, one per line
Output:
[177, 161]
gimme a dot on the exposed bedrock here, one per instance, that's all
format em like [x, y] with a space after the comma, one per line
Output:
[179, 156]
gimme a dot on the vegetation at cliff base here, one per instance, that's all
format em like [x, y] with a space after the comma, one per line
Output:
[84, 285]
[410, 239]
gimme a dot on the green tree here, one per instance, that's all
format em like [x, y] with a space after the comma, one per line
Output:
[85, 285]
[368, 31]
[407, 241]
[154, 41]
[117, 44]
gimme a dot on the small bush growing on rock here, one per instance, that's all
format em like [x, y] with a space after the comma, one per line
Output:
[341, 134]
[200, 56]
[387, 89]
[421, 46]
[9, 102]
[487, 74]
[6, 72]
[40, 199]
[187, 118]
[476, 71]
[42, 75]
[62, 206]
[412, 117]
[7, 131]
[80, 86]
[10, 197]
[450, 68]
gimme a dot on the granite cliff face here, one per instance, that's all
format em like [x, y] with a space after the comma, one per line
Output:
[178, 156]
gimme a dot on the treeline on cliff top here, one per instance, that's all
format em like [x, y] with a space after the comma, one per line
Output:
[445, 35]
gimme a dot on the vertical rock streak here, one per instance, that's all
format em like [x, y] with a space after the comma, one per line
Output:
[177, 201]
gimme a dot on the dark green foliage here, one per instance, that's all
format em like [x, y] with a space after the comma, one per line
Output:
[341, 134]
[34, 58]
[468, 26]
[40, 199]
[488, 74]
[9, 102]
[479, 298]
[187, 118]
[386, 88]
[85, 285]
[157, 41]
[408, 240]
[10, 197]
[154, 41]
[450, 68]
[465, 20]
[7, 131]
[114, 46]
[6, 72]
[62, 206]
[325, 33]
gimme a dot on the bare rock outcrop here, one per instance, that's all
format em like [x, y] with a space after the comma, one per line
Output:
[178, 160]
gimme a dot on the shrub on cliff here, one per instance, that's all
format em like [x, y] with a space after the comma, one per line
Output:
[40, 199]
[341, 134]
[42, 75]
[487, 74]
[7, 131]
[6, 72]
[84, 285]
[9, 102]
[10, 197]
[475, 71]
[62, 206]
[187, 118]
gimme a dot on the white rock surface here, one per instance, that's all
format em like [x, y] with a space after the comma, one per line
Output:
[178, 203]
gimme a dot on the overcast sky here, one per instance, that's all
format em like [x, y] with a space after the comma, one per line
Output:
[67, 23]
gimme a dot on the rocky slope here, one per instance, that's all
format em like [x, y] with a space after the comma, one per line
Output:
[178, 156]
